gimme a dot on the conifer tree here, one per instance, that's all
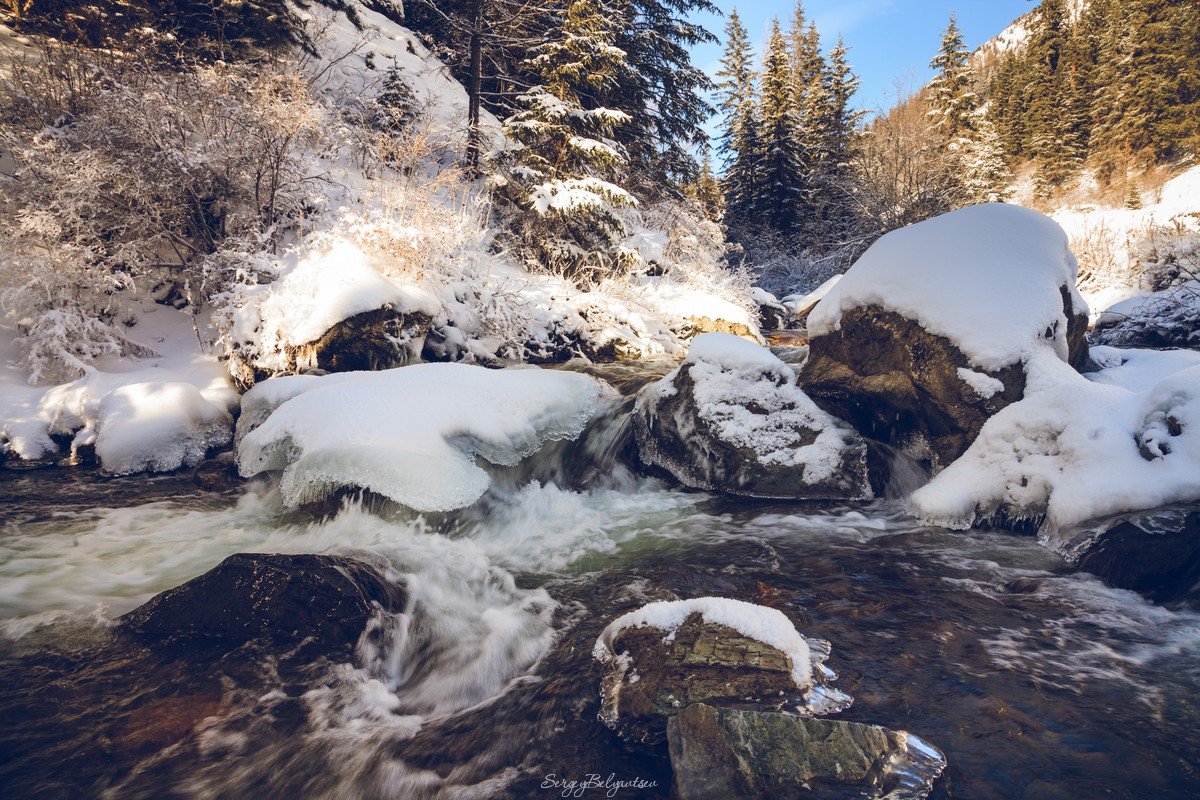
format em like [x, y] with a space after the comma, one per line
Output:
[952, 102]
[561, 181]
[739, 144]
[1050, 137]
[835, 219]
[705, 190]
[783, 169]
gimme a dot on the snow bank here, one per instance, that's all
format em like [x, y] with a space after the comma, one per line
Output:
[324, 288]
[159, 414]
[1127, 440]
[412, 433]
[766, 625]
[354, 60]
[1117, 247]
[986, 277]
[158, 427]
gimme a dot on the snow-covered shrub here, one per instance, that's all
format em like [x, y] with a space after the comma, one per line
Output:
[123, 169]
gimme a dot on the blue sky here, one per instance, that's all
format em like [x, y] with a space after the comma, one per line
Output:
[888, 39]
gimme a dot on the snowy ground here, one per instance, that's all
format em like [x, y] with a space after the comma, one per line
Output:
[156, 413]
[1113, 244]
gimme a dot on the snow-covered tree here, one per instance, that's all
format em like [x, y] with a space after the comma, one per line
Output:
[952, 102]
[559, 180]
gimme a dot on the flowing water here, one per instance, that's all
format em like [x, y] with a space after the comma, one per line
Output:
[1036, 682]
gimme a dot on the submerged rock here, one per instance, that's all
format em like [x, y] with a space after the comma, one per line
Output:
[668, 655]
[218, 474]
[731, 419]
[719, 753]
[328, 600]
[1155, 553]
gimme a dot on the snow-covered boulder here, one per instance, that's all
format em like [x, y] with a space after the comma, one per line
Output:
[667, 655]
[413, 434]
[936, 327]
[1080, 449]
[333, 312]
[732, 419]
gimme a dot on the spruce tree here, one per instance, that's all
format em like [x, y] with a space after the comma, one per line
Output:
[832, 205]
[783, 171]
[1050, 137]
[663, 92]
[739, 144]
[952, 102]
[560, 183]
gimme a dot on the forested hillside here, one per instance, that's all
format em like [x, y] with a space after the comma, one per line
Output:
[1094, 101]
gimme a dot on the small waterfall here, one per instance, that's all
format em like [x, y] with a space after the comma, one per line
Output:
[906, 474]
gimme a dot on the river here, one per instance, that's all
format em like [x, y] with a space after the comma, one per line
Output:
[1036, 682]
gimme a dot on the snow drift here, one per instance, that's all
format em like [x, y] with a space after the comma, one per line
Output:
[1079, 449]
[413, 433]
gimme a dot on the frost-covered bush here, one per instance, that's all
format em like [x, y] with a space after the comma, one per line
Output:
[125, 168]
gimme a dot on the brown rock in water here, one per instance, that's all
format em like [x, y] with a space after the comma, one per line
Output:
[161, 723]
[898, 383]
[651, 680]
[719, 753]
[372, 340]
[1155, 553]
[285, 598]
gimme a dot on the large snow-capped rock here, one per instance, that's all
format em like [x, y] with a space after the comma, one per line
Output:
[732, 419]
[936, 328]
[412, 434]
[331, 311]
[1079, 449]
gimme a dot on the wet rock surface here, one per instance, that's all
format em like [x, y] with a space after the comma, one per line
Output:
[322, 600]
[652, 678]
[1155, 553]
[898, 383]
[723, 752]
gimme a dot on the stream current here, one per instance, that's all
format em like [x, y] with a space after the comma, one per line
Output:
[1035, 681]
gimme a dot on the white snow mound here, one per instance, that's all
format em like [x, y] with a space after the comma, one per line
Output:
[987, 277]
[1127, 440]
[158, 426]
[763, 624]
[412, 433]
[326, 287]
